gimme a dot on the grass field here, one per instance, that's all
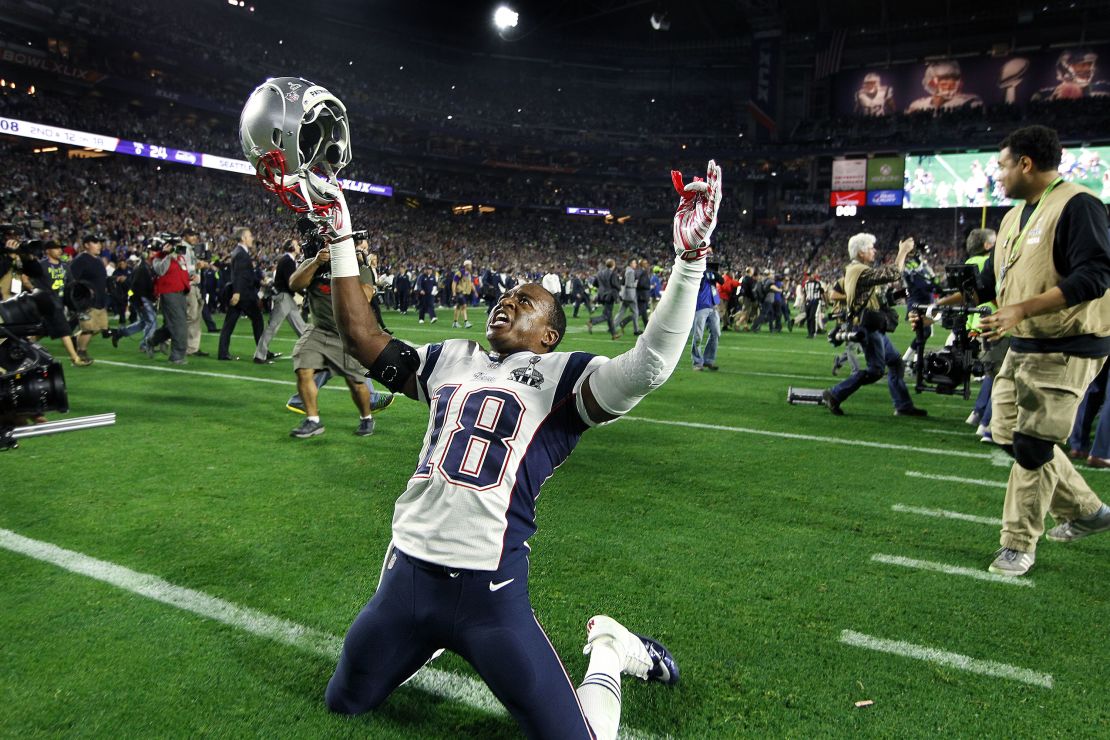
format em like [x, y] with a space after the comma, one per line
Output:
[795, 563]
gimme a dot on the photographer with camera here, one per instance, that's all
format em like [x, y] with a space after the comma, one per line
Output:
[862, 292]
[979, 244]
[920, 285]
[196, 260]
[1049, 276]
[320, 349]
[89, 269]
[171, 287]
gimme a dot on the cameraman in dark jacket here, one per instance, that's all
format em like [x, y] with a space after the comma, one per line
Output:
[861, 283]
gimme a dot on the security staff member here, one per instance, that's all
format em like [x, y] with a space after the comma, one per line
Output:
[1049, 276]
[861, 281]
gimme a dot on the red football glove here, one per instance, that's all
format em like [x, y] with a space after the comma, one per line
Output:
[697, 212]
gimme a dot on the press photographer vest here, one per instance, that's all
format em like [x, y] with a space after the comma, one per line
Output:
[1033, 271]
[851, 279]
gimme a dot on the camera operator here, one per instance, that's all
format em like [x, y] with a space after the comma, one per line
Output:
[171, 288]
[1049, 276]
[88, 268]
[979, 244]
[862, 291]
[921, 286]
[321, 348]
[196, 260]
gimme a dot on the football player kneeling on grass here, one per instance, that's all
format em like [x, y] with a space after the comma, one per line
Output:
[455, 575]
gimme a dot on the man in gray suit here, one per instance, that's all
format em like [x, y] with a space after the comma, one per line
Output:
[628, 298]
[608, 290]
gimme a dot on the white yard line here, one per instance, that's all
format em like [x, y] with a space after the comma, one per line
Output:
[687, 424]
[815, 438]
[952, 570]
[957, 479]
[443, 684]
[945, 658]
[204, 373]
[943, 514]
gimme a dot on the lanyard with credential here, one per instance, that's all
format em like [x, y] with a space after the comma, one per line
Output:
[1016, 245]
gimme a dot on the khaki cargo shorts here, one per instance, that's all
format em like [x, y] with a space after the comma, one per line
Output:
[97, 321]
[318, 349]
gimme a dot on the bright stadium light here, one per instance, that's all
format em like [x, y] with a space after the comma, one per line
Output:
[505, 18]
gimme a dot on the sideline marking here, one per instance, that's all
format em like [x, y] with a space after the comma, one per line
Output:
[945, 658]
[441, 683]
[958, 479]
[952, 570]
[444, 684]
[946, 514]
[688, 424]
[815, 438]
[225, 376]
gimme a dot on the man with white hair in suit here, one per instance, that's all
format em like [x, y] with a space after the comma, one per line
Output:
[862, 282]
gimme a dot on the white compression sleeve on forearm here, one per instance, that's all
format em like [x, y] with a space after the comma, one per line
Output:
[344, 263]
[619, 384]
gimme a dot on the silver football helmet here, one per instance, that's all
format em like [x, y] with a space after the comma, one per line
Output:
[296, 136]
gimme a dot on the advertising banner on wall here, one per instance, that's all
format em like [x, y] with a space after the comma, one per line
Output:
[849, 174]
[886, 173]
[847, 198]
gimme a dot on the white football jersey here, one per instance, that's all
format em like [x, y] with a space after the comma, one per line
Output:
[496, 432]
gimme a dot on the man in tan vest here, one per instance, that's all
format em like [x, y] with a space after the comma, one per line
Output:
[862, 281]
[1049, 275]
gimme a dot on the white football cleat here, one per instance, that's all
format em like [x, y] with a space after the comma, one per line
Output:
[643, 657]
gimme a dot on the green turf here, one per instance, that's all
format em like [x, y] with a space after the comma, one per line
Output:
[746, 554]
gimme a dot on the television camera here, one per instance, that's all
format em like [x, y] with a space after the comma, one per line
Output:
[31, 380]
[951, 368]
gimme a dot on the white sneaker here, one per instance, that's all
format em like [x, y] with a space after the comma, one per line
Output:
[635, 659]
[1012, 563]
[468, 325]
[454, 325]
[421, 321]
[973, 419]
[983, 430]
[1077, 529]
[433, 319]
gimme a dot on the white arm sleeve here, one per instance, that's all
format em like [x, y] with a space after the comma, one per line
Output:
[620, 383]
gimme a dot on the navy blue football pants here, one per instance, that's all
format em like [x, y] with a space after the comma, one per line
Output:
[484, 616]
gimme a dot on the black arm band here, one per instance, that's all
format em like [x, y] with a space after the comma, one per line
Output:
[395, 365]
